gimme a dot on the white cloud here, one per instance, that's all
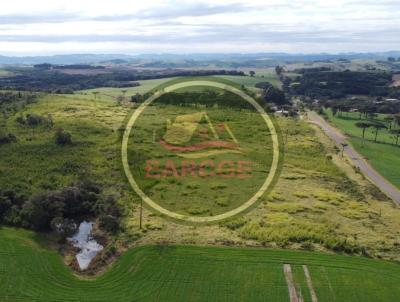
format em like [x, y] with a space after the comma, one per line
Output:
[69, 26]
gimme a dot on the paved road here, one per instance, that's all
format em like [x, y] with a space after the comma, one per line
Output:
[357, 160]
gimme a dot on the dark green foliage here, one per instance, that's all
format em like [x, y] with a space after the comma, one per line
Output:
[63, 138]
[11, 102]
[70, 202]
[34, 119]
[274, 95]
[109, 223]
[137, 98]
[396, 133]
[65, 227]
[206, 98]
[332, 84]
[7, 138]
[59, 209]
[44, 79]
[40, 209]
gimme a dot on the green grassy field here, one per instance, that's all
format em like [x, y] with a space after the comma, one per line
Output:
[147, 85]
[31, 272]
[251, 81]
[195, 195]
[112, 93]
[314, 205]
[4, 73]
[384, 155]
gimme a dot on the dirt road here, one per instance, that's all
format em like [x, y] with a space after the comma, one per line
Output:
[357, 160]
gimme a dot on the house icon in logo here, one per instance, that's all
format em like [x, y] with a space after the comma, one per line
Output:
[194, 136]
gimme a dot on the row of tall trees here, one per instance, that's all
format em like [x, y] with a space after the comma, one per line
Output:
[377, 126]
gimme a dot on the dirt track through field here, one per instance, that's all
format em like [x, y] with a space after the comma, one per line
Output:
[309, 284]
[287, 269]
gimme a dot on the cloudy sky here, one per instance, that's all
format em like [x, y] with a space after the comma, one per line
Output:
[45, 27]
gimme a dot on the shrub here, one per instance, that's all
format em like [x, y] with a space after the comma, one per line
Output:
[109, 223]
[234, 223]
[7, 138]
[20, 120]
[34, 119]
[63, 138]
[65, 227]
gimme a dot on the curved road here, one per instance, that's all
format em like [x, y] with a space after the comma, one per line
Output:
[358, 161]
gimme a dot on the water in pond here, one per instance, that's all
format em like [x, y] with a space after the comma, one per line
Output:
[88, 246]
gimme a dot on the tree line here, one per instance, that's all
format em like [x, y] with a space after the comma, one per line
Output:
[60, 210]
[339, 84]
[43, 79]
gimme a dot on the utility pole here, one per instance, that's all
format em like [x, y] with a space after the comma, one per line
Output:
[343, 146]
[141, 213]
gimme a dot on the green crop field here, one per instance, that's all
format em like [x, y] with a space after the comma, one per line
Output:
[249, 82]
[29, 271]
[384, 155]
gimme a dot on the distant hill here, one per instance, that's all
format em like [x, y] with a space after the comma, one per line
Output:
[154, 59]
[64, 59]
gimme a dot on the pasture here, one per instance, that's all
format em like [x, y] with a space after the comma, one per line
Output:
[147, 85]
[384, 155]
[249, 82]
[112, 93]
[4, 73]
[30, 271]
[314, 205]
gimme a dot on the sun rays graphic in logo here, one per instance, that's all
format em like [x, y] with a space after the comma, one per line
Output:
[194, 136]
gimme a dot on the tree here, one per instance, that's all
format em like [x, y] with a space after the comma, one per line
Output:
[124, 95]
[40, 209]
[109, 223]
[274, 95]
[389, 119]
[5, 205]
[396, 133]
[363, 126]
[252, 73]
[136, 98]
[7, 138]
[62, 138]
[397, 119]
[377, 127]
[65, 227]
[278, 70]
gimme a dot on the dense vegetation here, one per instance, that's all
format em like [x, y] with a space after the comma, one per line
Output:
[363, 106]
[271, 94]
[314, 205]
[208, 98]
[332, 84]
[42, 79]
[11, 102]
[59, 210]
[48, 208]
